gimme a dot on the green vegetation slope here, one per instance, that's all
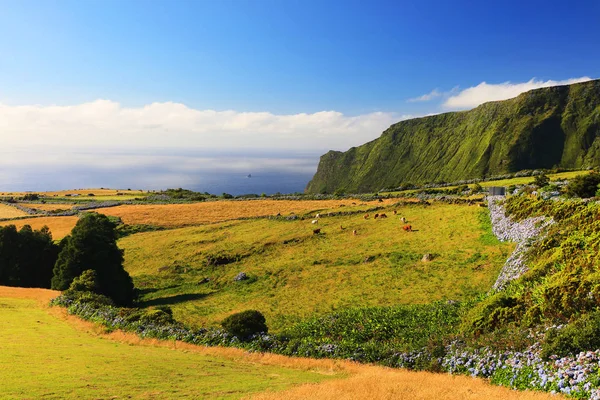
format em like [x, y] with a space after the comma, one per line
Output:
[551, 127]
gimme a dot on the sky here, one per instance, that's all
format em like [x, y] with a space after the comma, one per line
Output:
[174, 93]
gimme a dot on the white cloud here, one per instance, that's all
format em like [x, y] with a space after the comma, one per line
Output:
[426, 97]
[484, 92]
[104, 123]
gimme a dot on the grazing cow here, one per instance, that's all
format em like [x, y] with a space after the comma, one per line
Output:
[381, 201]
[395, 212]
[403, 220]
[407, 228]
[376, 216]
[382, 216]
[342, 227]
[366, 216]
[316, 231]
[314, 221]
[318, 216]
[354, 232]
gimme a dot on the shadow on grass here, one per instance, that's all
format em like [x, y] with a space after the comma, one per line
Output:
[170, 300]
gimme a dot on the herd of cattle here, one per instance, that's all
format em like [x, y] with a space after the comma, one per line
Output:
[406, 227]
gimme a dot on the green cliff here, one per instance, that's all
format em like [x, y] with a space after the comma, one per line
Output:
[544, 128]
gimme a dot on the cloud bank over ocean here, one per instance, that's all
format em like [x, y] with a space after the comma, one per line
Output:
[160, 145]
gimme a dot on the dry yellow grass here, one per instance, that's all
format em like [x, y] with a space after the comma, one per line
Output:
[10, 212]
[42, 295]
[50, 206]
[376, 383]
[177, 215]
[59, 226]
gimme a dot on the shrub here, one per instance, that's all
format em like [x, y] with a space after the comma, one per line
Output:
[583, 185]
[495, 311]
[86, 282]
[245, 324]
[162, 315]
[94, 299]
[477, 188]
[31, 197]
[541, 180]
[581, 335]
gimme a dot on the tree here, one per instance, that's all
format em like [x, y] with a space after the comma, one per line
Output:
[9, 266]
[37, 255]
[26, 256]
[584, 185]
[93, 245]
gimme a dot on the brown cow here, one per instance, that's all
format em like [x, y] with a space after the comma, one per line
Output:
[366, 216]
[316, 231]
[382, 216]
[407, 228]
[376, 216]
[395, 212]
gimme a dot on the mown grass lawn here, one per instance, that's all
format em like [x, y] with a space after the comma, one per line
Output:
[43, 357]
[295, 274]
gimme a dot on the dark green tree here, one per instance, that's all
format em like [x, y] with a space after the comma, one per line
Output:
[36, 255]
[26, 256]
[93, 245]
[9, 266]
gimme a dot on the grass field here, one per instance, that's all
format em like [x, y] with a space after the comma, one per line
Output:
[177, 215]
[47, 354]
[77, 195]
[41, 356]
[10, 212]
[295, 274]
[59, 226]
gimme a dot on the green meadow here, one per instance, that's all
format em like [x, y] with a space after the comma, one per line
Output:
[295, 274]
[45, 357]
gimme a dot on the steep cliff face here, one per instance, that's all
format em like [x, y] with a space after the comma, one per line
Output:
[544, 128]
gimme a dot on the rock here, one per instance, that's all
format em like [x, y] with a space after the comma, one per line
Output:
[240, 277]
[427, 257]
[525, 233]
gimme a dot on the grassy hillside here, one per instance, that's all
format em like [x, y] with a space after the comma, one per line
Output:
[41, 356]
[544, 128]
[295, 274]
[46, 354]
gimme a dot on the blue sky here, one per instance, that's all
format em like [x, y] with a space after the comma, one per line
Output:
[286, 56]
[263, 78]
